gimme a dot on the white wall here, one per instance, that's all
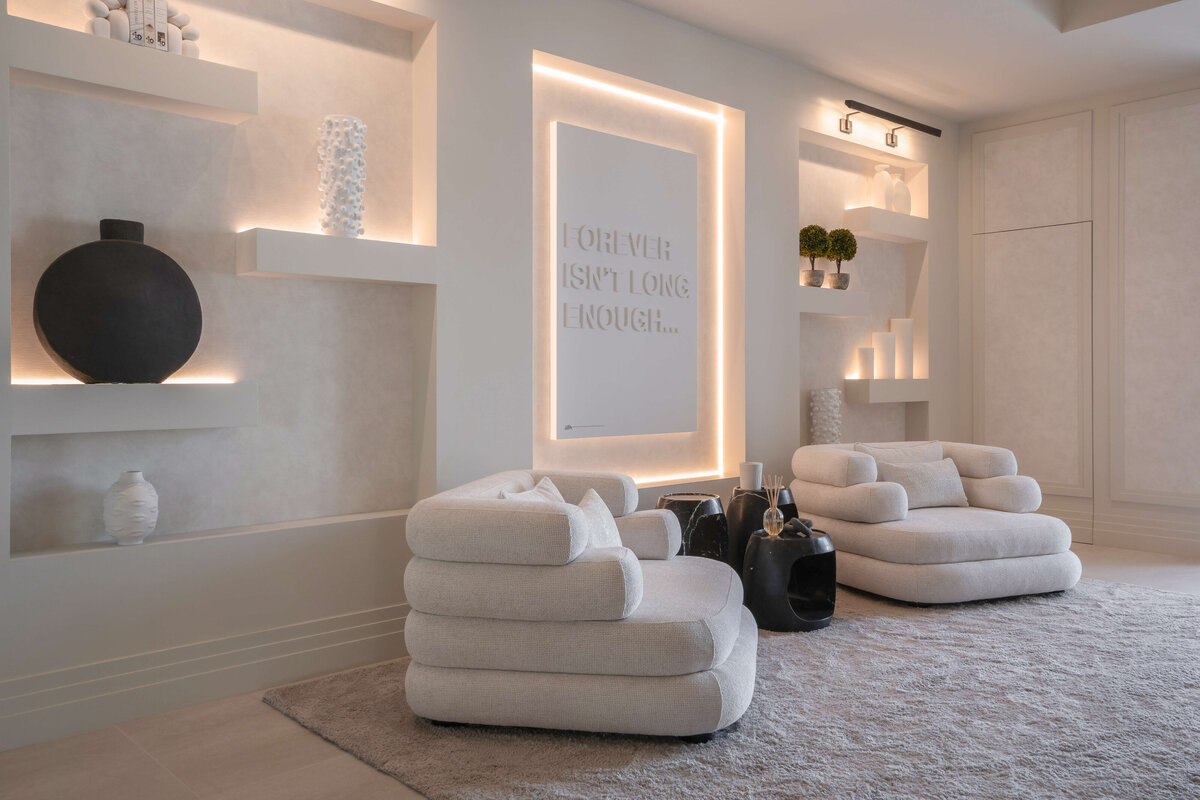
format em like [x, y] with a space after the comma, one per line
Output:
[1136, 481]
[114, 609]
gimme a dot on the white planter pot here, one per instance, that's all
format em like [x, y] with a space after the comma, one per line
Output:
[130, 509]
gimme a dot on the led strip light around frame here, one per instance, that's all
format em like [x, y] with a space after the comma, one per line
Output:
[719, 120]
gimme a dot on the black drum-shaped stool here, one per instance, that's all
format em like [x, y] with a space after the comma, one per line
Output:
[790, 583]
[745, 516]
[702, 520]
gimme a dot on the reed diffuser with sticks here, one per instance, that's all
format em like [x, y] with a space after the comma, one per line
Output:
[773, 517]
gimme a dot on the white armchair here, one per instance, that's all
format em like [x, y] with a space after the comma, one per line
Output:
[516, 620]
[993, 547]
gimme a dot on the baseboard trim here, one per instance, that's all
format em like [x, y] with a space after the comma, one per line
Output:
[1155, 535]
[49, 705]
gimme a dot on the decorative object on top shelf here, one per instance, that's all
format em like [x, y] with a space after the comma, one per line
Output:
[842, 247]
[814, 244]
[826, 406]
[773, 517]
[881, 187]
[157, 24]
[130, 508]
[750, 475]
[901, 196]
[903, 329]
[343, 174]
[117, 310]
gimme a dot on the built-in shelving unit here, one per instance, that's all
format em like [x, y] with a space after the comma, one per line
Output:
[888, 226]
[101, 408]
[880, 390]
[832, 302]
[383, 13]
[268, 253]
[50, 57]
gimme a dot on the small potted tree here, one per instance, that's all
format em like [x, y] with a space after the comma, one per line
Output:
[842, 247]
[814, 244]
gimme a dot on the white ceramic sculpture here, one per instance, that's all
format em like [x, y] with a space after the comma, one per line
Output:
[108, 19]
[881, 188]
[130, 508]
[343, 174]
[901, 196]
[826, 416]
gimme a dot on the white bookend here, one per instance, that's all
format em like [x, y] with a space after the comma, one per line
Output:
[137, 21]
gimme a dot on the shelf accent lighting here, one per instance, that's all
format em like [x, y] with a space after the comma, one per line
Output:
[846, 125]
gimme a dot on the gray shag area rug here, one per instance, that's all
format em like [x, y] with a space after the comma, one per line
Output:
[1092, 693]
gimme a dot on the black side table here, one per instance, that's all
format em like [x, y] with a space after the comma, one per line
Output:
[745, 516]
[702, 520]
[790, 583]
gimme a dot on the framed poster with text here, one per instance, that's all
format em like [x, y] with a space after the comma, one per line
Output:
[624, 348]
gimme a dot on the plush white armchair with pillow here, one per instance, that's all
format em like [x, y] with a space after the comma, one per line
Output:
[544, 599]
[933, 522]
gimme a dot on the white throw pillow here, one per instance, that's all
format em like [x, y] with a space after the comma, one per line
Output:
[545, 491]
[929, 484]
[903, 452]
[602, 528]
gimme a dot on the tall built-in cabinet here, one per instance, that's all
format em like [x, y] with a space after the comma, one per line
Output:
[1083, 235]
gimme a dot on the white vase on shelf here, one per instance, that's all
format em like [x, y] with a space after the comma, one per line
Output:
[901, 196]
[881, 187]
[130, 508]
[826, 407]
[343, 175]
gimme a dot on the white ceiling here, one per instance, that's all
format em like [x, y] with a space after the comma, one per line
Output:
[966, 59]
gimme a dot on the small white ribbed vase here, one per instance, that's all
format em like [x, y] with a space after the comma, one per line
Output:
[130, 508]
[826, 416]
[901, 196]
[343, 175]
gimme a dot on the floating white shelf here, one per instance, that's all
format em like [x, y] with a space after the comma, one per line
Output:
[283, 254]
[100, 408]
[381, 12]
[872, 390]
[50, 57]
[890, 226]
[832, 302]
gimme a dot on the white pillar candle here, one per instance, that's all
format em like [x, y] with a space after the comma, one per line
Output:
[903, 328]
[885, 354]
[750, 475]
[866, 363]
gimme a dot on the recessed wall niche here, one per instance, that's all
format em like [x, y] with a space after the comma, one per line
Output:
[338, 427]
[608, 103]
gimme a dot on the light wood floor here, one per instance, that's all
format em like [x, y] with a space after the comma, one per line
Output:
[240, 749]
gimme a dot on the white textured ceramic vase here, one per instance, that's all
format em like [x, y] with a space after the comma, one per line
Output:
[343, 174]
[826, 416]
[130, 508]
[901, 196]
[881, 188]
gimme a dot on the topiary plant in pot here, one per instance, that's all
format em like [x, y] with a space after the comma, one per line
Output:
[842, 247]
[814, 244]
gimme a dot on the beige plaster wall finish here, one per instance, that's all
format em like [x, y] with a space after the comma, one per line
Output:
[333, 360]
[1034, 386]
[1037, 177]
[1159, 236]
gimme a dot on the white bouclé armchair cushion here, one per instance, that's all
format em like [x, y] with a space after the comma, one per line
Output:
[928, 485]
[902, 452]
[544, 490]
[602, 528]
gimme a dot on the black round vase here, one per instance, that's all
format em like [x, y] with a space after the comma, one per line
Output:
[117, 310]
[745, 516]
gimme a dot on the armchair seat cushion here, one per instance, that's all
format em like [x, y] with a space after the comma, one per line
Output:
[950, 535]
[603, 583]
[688, 621]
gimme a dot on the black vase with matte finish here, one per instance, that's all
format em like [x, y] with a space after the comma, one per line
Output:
[702, 520]
[790, 584]
[745, 516]
[117, 310]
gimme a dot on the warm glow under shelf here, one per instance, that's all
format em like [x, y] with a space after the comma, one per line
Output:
[50, 57]
[832, 302]
[268, 253]
[881, 390]
[888, 226]
[101, 408]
